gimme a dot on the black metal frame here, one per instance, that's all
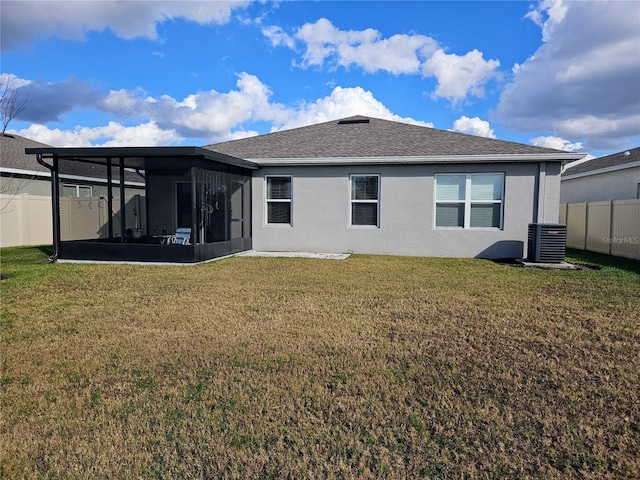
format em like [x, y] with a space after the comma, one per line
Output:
[152, 159]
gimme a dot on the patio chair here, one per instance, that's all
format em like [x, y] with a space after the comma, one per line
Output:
[182, 237]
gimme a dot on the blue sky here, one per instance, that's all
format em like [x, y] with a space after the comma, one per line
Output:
[552, 73]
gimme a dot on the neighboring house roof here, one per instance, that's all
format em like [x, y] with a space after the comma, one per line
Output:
[12, 156]
[14, 161]
[359, 138]
[616, 161]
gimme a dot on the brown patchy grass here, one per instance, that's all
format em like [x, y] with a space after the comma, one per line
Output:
[372, 367]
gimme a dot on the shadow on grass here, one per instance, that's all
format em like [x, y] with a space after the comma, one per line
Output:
[602, 260]
[46, 249]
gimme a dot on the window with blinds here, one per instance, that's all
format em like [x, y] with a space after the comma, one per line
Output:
[279, 200]
[69, 190]
[365, 197]
[469, 200]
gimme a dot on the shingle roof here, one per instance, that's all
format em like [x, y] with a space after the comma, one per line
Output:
[13, 156]
[613, 160]
[12, 153]
[366, 137]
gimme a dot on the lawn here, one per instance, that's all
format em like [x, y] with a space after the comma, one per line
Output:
[371, 367]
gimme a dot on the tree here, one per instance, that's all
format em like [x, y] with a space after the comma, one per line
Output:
[10, 107]
[10, 103]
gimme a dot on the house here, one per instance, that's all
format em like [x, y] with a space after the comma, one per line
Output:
[25, 193]
[614, 177]
[19, 172]
[359, 184]
[367, 185]
[600, 204]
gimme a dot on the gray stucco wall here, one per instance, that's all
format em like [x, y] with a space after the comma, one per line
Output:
[32, 186]
[320, 217]
[549, 206]
[617, 185]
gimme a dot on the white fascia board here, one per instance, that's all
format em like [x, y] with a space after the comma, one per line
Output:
[417, 160]
[614, 168]
[29, 173]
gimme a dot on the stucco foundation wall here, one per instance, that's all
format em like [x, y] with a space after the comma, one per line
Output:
[320, 213]
[617, 185]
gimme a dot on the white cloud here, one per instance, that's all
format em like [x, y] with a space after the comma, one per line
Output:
[582, 83]
[399, 54]
[459, 76]
[547, 14]
[22, 22]
[557, 143]
[278, 37]
[205, 114]
[11, 81]
[341, 103]
[325, 44]
[474, 126]
[112, 135]
[208, 115]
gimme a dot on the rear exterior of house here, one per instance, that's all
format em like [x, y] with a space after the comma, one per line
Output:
[405, 215]
[359, 185]
[371, 186]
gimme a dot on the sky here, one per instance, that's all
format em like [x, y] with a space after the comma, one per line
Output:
[552, 73]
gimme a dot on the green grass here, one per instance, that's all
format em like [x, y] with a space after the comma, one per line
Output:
[372, 367]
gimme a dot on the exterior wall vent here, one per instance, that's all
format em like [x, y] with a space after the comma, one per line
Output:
[546, 242]
[355, 120]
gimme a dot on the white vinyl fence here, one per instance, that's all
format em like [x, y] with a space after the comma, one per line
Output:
[611, 227]
[27, 219]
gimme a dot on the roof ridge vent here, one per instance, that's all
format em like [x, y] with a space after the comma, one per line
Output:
[353, 120]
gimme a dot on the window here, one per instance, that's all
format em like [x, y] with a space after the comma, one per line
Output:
[69, 190]
[365, 196]
[469, 200]
[279, 200]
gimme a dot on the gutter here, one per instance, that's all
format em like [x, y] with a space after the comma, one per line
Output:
[419, 160]
[55, 205]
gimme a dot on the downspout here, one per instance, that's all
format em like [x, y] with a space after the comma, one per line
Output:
[55, 204]
[542, 188]
[538, 193]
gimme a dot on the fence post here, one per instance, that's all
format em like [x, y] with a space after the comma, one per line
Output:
[586, 225]
[23, 205]
[610, 226]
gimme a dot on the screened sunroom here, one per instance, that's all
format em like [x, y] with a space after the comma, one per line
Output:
[148, 204]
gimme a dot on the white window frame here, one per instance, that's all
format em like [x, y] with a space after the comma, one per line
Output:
[352, 201]
[77, 188]
[468, 202]
[268, 200]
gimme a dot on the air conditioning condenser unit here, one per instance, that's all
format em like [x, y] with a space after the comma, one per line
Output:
[546, 242]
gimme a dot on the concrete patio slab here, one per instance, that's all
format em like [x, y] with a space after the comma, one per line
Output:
[321, 256]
